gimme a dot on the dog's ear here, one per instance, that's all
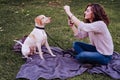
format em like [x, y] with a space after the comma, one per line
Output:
[38, 21]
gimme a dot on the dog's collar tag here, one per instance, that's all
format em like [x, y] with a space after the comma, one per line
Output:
[39, 27]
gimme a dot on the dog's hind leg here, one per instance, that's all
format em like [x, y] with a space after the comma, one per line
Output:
[26, 57]
[35, 50]
[26, 52]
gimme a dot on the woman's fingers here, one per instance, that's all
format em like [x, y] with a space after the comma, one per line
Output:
[67, 8]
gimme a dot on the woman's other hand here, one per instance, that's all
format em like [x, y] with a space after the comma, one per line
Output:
[70, 22]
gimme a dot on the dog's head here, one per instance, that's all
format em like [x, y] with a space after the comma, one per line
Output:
[41, 20]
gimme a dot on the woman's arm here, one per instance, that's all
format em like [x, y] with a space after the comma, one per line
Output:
[87, 27]
[75, 20]
[77, 33]
[72, 26]
[74, 29]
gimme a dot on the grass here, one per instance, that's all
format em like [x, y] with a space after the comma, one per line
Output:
[17, 20]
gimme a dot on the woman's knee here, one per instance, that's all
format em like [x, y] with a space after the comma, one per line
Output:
[106, 60]
[76, 43]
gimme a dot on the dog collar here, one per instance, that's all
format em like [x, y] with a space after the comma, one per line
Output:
[39, 27]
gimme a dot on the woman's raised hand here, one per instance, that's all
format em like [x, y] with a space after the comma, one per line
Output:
[67, 9]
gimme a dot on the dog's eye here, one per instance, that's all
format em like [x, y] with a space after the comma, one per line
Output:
[43, 17]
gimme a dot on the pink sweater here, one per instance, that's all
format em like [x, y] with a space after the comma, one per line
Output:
[99, 36]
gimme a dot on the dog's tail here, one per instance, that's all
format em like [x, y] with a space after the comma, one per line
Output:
[18, 42]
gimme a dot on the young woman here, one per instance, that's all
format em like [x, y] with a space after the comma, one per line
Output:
[100, 49]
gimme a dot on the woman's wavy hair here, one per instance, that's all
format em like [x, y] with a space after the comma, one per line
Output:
[98, 13]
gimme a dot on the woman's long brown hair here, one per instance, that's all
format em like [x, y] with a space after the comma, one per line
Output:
[98, 12]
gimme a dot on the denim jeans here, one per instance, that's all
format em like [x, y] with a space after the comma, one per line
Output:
[87, 53]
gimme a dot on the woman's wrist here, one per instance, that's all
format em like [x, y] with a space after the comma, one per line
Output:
[69, 13]
[71, 16]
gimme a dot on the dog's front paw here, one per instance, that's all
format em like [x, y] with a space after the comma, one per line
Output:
[53, 55]
[41, 56]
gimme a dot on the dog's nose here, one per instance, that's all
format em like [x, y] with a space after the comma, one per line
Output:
[49, 17]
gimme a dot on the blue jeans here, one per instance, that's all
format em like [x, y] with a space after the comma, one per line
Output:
[87, 53]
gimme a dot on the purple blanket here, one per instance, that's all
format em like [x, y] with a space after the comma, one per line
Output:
[62, 67]
[50, 68]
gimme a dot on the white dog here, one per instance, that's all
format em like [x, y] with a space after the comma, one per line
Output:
[37, 38]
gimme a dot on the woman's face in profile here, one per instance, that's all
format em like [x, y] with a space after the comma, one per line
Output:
[88, 13]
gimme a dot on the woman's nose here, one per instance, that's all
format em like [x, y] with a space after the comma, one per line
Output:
[85, 12]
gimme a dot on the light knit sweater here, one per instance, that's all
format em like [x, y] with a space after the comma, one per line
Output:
[99, 36]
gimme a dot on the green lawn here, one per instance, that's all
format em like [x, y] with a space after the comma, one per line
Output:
[17, 20]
